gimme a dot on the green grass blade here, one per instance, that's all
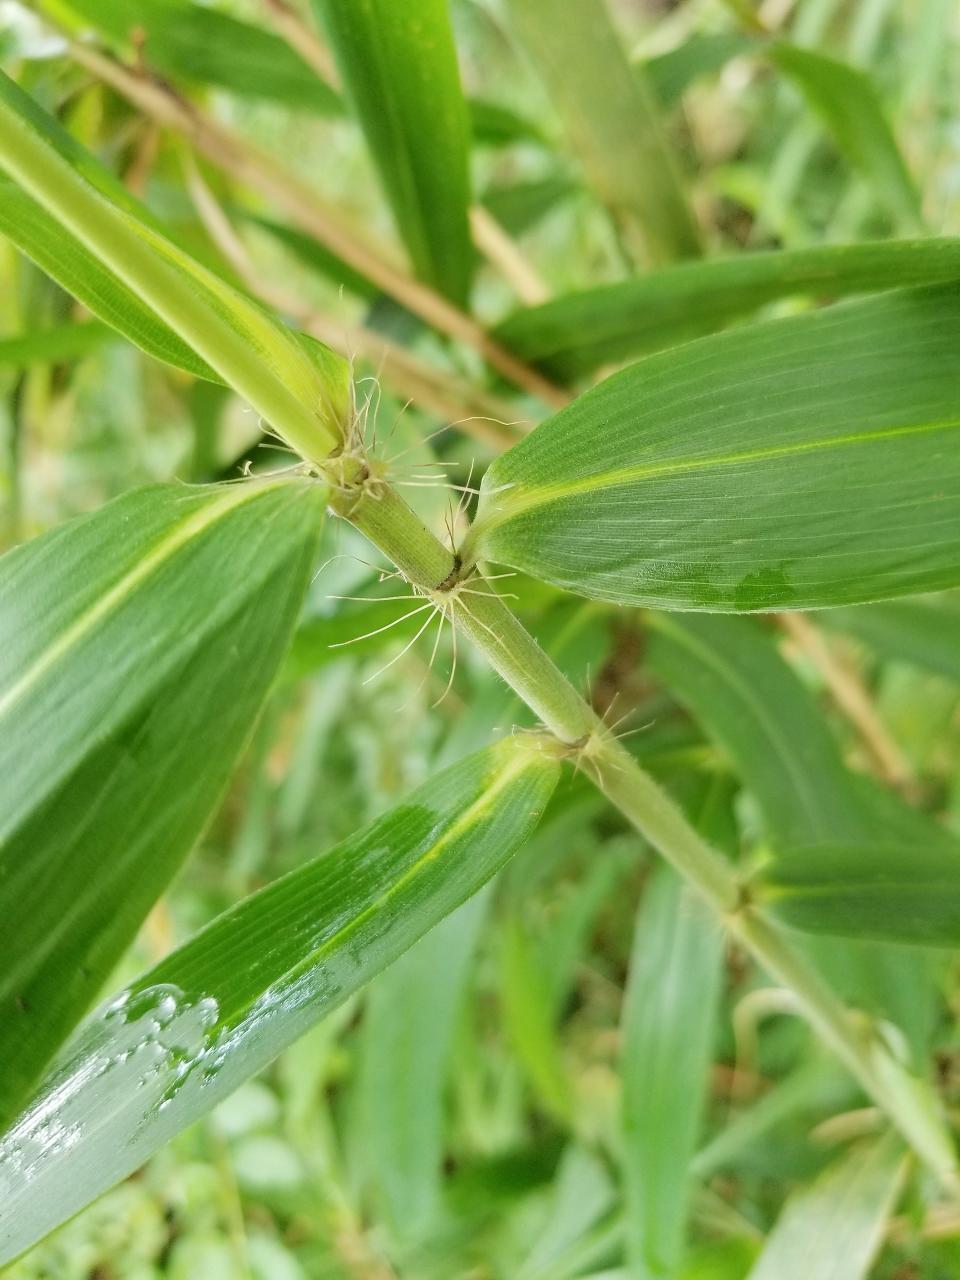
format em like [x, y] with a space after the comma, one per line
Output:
[218, 1009]
[66, 260]
[399, 65]
[136, 647]
[833, 1229]
[847, 102]
[530, 1021]
[51, 346]
[670, 74]
[410, 1018]
[575, 334]
[190, 42]
[611, 118]
[906, 893]
[801, 463]
[305, 395]
[668, 1024]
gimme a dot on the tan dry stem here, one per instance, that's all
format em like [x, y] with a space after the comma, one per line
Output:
[848, 692]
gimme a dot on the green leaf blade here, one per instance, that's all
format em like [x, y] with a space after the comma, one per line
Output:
[190, 42]
[302, 389]
[798, 464]
[137, 647]
[400, 67]
[888, 892]
[847, 102]
[573, 335]
[217, 1010]
[611, 117]
[833, 1229]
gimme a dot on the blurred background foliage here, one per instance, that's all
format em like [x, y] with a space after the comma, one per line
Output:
[471, 1114]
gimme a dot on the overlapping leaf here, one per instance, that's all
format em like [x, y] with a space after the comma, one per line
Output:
[833, 1230]
[188, 1032]
[136, 647]
[797, 464]
[574, 334]
[191, 41]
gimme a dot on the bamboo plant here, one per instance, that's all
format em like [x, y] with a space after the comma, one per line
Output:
[698, 435]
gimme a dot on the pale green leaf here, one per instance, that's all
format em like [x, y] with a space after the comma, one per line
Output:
[409, 1021]
[611, 118]
[399, 65]
[670, 1008]
[136, 647]
[833, 1229]
[669, 1022]
[921, 632]
[176, 1042]
[847, 101]
[804, 462]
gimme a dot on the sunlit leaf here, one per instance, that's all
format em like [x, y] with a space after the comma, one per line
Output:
[303, 390]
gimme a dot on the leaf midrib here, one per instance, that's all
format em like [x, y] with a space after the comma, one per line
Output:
[175, 538]
[519, 502]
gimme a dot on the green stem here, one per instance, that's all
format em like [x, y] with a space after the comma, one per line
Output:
[908, 1101]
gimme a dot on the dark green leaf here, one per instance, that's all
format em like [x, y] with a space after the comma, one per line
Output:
[888, 891]
[399, 65]
[732, 677]
[189, 41]
[572, 335]
[136, 646]
[801, 463]
[188, 1032]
